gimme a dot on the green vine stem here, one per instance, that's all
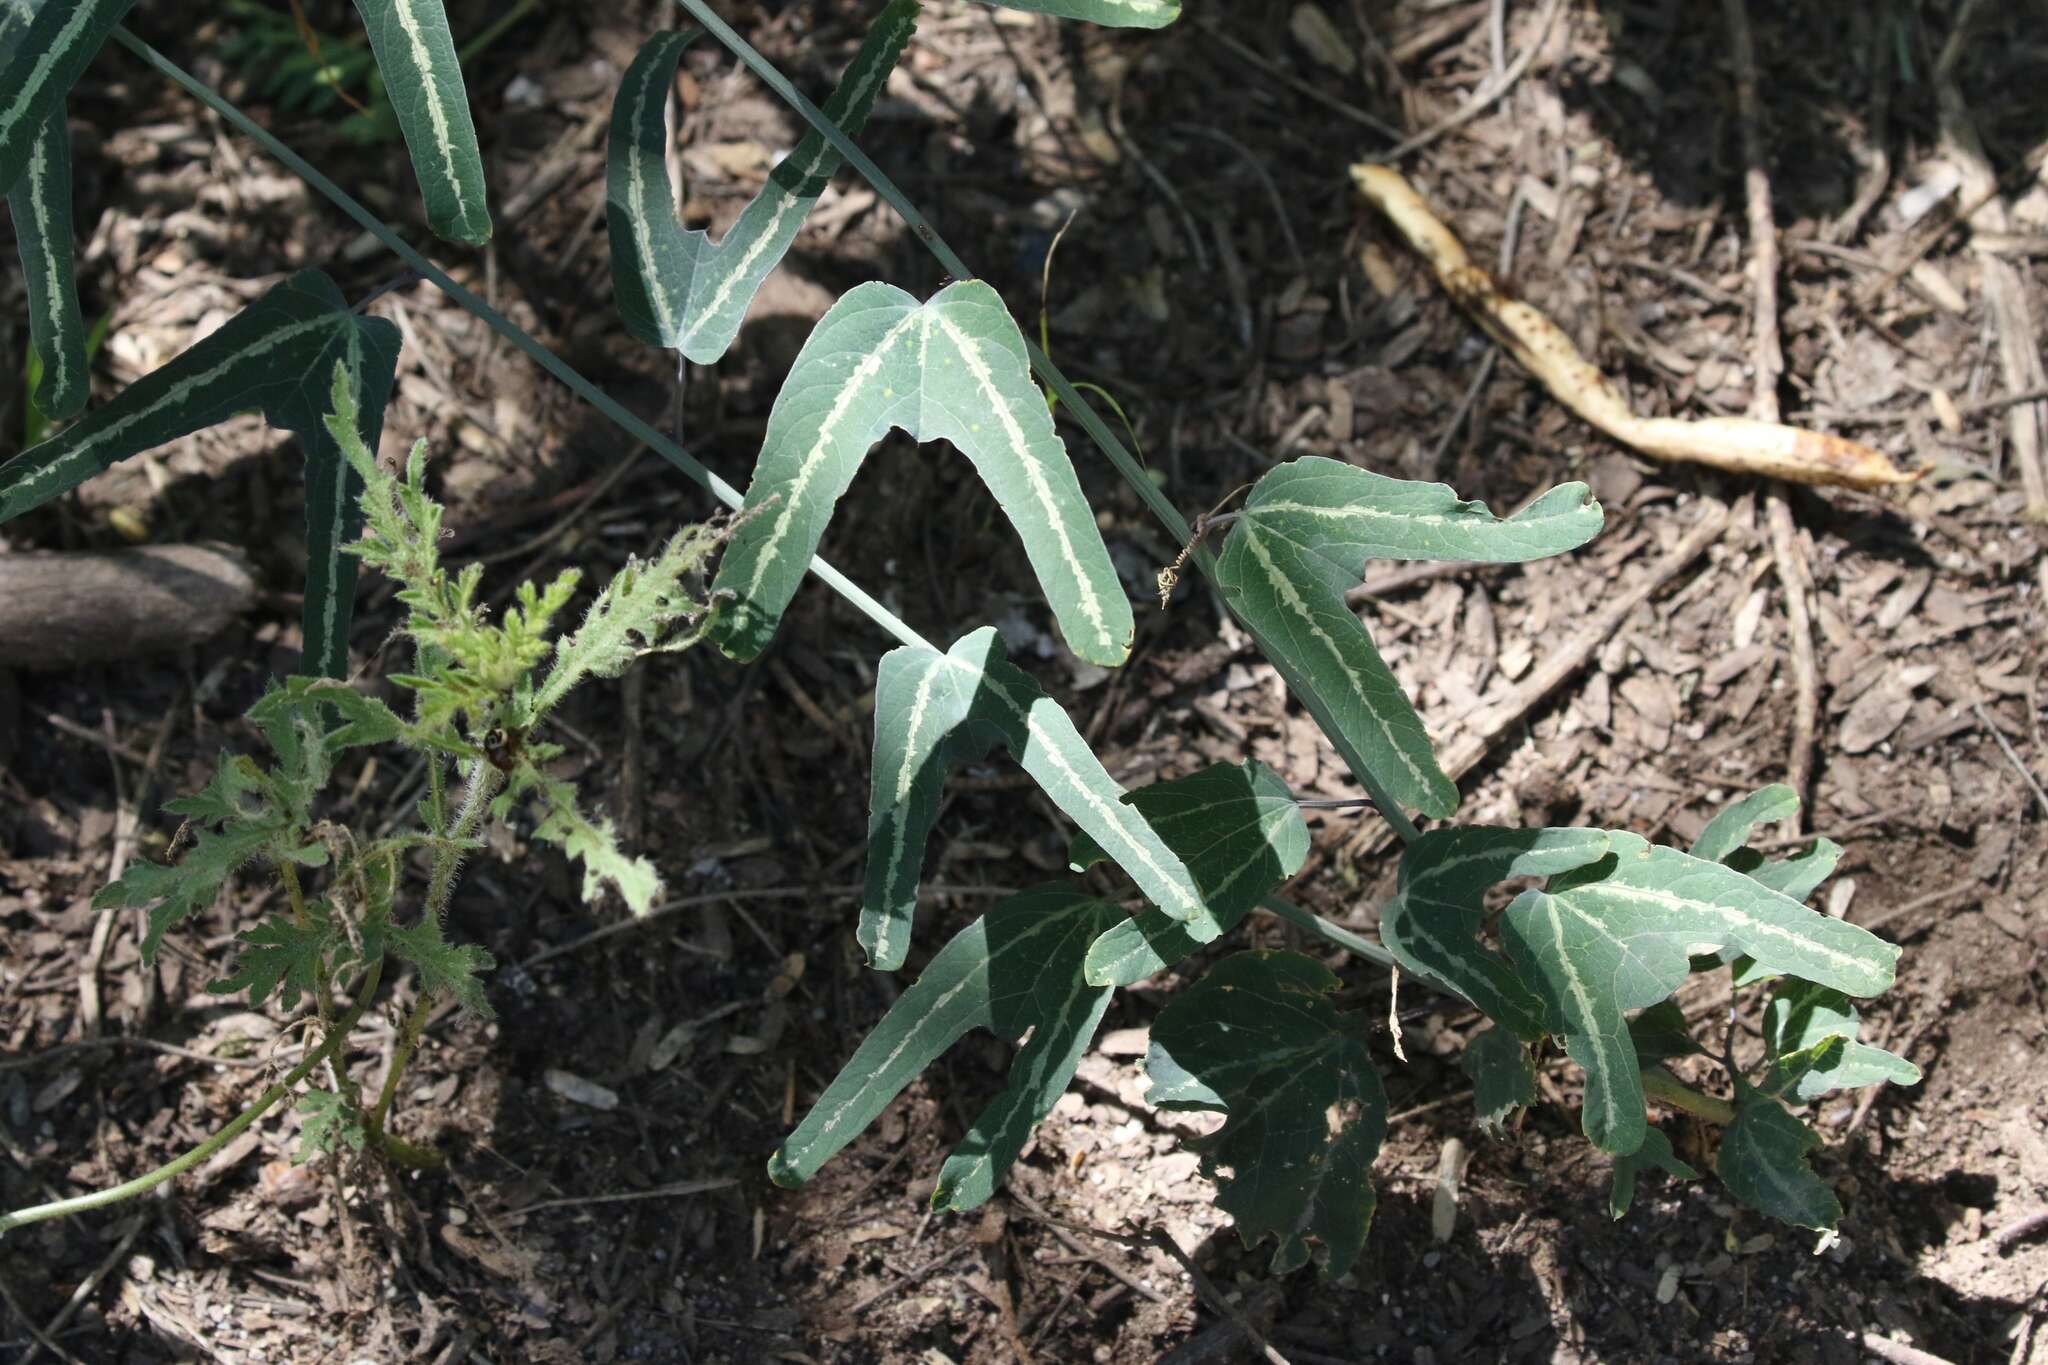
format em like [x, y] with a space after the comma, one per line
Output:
[143, 1184]
[1662, 1086]
[408, 1041]
[469, 816]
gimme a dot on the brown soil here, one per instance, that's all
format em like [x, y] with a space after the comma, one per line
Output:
[1253, 313]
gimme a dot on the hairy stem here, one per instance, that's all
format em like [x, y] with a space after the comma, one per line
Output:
[85, 1203]
[476, 802]
[408, 1041]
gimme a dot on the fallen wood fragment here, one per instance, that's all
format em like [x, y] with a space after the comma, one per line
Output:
[59, 609]
[1741, 444]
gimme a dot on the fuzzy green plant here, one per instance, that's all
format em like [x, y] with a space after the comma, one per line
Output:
[482, 687]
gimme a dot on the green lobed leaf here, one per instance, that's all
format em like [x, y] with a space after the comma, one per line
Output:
[952, 369]
[1110, 13]
[364, 719]
[1763, 1162]
[1503, 1078]
[1654, 1154]
[170, 894]
[274, 356]
[594, 843]
[1014, 971]
[444, 967]
[40, 204]
[44, 48]
[1432, 924]
[675, 287]
[933, 711]
[417, 59]
[1615, 936]
[282, 955]
[1241, 834]
[1258, 1039]
[1305, 535]
[1810, 1032]
[330, 1120]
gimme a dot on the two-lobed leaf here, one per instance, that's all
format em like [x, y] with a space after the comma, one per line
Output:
[1240, 832]
[1616, 935]
[954, 369]
[275, 356]
[1432, 924]
[417, 59]
[934, 711]
[675, 287]
[1259, 1040]
[1810, 1034]
[1305, 535]
[1015, 971]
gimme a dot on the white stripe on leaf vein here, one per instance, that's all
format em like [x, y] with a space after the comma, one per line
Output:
[39, 74]
[437, 112]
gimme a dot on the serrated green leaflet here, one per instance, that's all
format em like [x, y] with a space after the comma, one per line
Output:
[329, 1119]
[1615, 936]
[44, 47]
[283, 955]
[1305, 536]
[1015, 970]
[1655, 1154]
[447, 967]
[40, 204]
[1503, 1080]
[1259, 1040]
[951, 369]
[674, 287]
[1110, 13]
[1763, 1163]
[1810, 1032]
[416, 56]
[935, 710]
[170, 894]
[275, 356]
[1241, 834]
[1431, 925]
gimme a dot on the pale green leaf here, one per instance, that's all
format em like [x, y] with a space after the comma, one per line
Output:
[1016, 970]
[44, 48]
[1110, 13]
[1432, 924]
[1304, 537]
[1730, 829]
[40, 203]
[933, 711]
[1259, 1040]
[1503, 1078]
[1654, 1154]
[282, 955]
[275, 356]
[1241, 834]
[1810, 1032]
[595, 844]
[1615, 936]
[416, 56]
[951, 369]
[1763, 1162]
[675, 287]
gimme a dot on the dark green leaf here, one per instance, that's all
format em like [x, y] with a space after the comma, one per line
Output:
[1259, 1039]
[1763, 1162]
[416, 56]
[1503, 1080]
[172, 893]
[453, 969]
[1015, 970]
[282, 955]
[1240, 832]
[1654, 1154]
[329, 1120]
[1305, 536]
[1661, 1033]
[44, 48]
[1810, 1032]
[674, 287]
[40, 203]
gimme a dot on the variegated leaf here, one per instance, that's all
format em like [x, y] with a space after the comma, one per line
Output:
[44, 47]
[1110, 13]
[951, 369]
[1259, 1040]
[1615, 935]
[1432, 923]
[276, 356]
[1239, 830]
[1305, 536]
[935, 710]
[677, 288]
[417, 59]
[40, 203]
[1016, 970]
